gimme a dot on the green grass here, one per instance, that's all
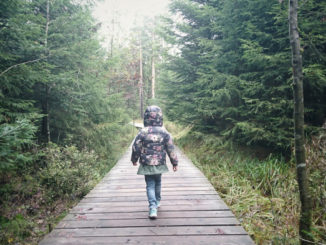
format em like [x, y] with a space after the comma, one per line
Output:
[263, 194]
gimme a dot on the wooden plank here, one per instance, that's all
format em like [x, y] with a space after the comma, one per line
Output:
[166, 175]
[143, 193]
[146, 222]
[153, 240]
[122, 178]
[110, 209]
[164, 182]
[150, 231]
[143, 184]
[145, 203]
[142, 198]
[130, 170]
[163, 189]
[143, 215]
[133, 179]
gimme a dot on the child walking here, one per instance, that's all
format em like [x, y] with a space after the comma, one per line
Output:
[150, 147]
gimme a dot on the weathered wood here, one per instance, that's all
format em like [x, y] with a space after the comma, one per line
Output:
[143, 215]
[141, 183]
[117, 185]
[165, 190]
[168, 193]
[146, 222]
[153, 240]
[150, 231]
[116, 212]
[142, 186]
[145, 203]
[142, 198]
[178, 177]
[107, 208]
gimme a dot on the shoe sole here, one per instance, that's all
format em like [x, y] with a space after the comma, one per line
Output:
[152, 217]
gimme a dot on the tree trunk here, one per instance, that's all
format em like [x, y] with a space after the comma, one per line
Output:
[141, 93]
[153, 78]
[112, 37]
[45, 106]
[305, 214]
[153, 68]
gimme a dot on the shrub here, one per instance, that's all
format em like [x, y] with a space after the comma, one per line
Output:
[69, 171]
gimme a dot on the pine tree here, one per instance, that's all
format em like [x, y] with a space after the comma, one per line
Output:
[231, 74]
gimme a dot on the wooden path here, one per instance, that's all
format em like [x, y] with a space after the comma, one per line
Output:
[116, 212]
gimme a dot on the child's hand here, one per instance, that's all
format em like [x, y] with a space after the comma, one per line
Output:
[175, 168]
[134, 163]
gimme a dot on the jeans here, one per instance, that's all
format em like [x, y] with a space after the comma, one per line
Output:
[153, 189]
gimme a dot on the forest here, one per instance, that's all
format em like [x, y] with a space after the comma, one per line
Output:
[221, 70]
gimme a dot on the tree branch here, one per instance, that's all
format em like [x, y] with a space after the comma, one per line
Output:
[23, 63]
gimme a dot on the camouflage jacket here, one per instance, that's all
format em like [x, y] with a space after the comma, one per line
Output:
[153, 141]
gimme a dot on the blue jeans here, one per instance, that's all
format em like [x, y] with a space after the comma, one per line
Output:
[153, 189]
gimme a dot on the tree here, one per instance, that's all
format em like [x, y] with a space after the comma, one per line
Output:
[153, 66]
[231, 74]
[141, 79]
[306, 212]
[45, 103]
[51, 63]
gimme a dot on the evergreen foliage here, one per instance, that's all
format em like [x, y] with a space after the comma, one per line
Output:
[57, 84]
[231, 74]
[58, 73]
[15, 138]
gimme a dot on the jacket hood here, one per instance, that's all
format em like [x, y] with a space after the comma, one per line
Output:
[153, 116]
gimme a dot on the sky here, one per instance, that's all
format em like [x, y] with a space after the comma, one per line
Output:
[126, 12]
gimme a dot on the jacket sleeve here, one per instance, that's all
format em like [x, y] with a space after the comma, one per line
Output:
[170, 150]
[136, 148]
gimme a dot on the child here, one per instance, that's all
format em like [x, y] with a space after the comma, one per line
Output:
[150, 147]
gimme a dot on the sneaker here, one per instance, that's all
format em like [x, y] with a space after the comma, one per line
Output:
[158, 204]
[152, 213]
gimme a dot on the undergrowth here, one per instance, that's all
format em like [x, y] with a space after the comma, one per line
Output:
[34, 200]
[263, 194]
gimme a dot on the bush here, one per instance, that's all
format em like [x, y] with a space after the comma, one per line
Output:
[69, 171]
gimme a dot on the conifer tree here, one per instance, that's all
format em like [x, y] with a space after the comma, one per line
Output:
[51, 64]
[231, 72]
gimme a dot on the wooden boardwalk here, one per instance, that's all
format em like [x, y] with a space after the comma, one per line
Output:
[116, 211]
